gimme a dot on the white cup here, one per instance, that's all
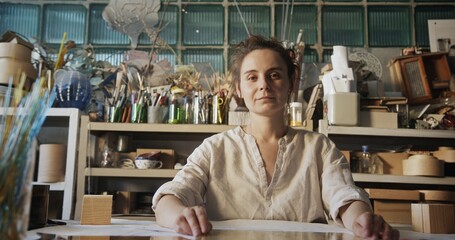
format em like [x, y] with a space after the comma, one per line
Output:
[148, 163]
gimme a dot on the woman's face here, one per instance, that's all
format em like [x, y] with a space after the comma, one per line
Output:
[264, 82]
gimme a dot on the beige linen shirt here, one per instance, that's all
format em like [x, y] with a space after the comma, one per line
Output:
[226, 173]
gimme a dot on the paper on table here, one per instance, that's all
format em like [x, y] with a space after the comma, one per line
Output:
[268, 225]
[124, 227]
[117, 228]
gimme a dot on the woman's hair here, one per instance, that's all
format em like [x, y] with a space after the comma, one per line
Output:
[256, 42]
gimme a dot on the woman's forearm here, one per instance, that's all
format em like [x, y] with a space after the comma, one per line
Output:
[167, 209]
[351, 211]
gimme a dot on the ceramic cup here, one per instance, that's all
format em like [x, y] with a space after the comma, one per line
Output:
[148, 164]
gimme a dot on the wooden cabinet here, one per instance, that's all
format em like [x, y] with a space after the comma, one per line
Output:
[183, 138]
[62, 126]
[352, 138]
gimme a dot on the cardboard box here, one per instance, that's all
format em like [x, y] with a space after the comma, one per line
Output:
[343, 108]
[167, 156]
[433, 218]
[378, 119]
[393, 194]
[392, 162]
[393, 211]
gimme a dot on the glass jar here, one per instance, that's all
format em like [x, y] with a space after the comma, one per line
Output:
[295, 114]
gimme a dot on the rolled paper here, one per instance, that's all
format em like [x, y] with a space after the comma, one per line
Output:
[52, 161]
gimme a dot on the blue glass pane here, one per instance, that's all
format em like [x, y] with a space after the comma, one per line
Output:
[100, 32]
[214, 57]
[342, 0]
[60, 18]
[20, 18]
[168, 22]
[342, 25]
[168, 55]
[303, 17]
[203, 25]
[389, 26]
[252, 19]
[112, 55]
[425, 13]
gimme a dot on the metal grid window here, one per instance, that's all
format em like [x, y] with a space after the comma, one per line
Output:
[205, 30]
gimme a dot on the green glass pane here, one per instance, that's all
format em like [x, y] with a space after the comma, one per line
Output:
[99, 31]
[342, 0]
[303, 17]
[248, 0]
[168, 17]
[389, 26]
[203, 25]
[310, 56]
[20, 18]
[252, 19]
[432, 1]
[297, 1]
[388, 1]
[214, 57]
[327, 55]
[342, 25]
[425, 13]
[60, 18]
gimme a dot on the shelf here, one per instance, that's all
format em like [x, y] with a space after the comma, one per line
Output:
[125, 172]
[358, 177]
[402, 132]
[156, 127]
[375, 178]
[58, 186]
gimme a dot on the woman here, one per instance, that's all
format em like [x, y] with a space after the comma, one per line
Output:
[266, 170]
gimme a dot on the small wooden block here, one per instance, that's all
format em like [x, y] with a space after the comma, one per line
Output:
[96, 210]
[433, 218]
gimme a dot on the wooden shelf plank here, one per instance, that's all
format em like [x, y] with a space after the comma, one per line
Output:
[376, 178]
[402, 132]
[158, 127]
[125, 172]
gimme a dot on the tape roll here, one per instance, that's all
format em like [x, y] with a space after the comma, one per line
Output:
[446, 155]
[423, 165]
[52, 161]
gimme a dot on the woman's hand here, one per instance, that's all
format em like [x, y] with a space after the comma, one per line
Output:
[373, 226]
[192, 221]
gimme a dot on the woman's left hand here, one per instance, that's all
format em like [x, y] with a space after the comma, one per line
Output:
[372, 226]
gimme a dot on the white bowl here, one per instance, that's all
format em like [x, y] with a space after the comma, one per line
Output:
[147, 163]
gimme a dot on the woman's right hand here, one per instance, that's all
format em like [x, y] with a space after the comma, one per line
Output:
[171, 213]
[192, 221]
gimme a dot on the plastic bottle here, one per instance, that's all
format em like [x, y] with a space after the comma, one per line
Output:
[365, 160]
[295, 112]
